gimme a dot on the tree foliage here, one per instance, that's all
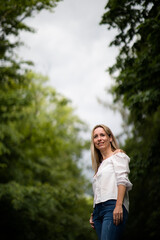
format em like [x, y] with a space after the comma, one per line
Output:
[137, 85]
[137, 64]
[42, 189]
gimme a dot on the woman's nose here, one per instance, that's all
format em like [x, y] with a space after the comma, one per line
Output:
[99, 138]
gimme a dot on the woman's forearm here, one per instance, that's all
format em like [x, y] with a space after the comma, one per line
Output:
[121, 194]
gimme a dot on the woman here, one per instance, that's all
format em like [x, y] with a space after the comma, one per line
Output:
[110, 185]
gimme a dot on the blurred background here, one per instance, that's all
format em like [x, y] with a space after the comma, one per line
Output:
[66, 66]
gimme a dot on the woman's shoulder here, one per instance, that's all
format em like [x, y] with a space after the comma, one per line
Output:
[121, 154]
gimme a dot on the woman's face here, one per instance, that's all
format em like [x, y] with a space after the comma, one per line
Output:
[100, 139]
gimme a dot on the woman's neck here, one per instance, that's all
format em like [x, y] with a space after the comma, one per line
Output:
[106, 154]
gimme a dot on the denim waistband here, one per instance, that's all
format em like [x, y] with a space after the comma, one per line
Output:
[108, 202]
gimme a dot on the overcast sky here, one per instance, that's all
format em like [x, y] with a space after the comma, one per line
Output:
[71, 48]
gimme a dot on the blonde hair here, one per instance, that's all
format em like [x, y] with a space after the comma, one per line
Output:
[95, 153]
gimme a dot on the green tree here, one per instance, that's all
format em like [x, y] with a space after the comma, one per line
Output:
[137, 87]
[137, 64]
[42, 189]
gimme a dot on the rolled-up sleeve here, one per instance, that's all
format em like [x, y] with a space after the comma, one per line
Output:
[121, 167]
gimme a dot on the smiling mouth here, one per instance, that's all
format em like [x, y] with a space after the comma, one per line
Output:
[101, 143]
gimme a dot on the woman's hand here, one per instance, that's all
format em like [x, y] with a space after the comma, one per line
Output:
[91, 221]
[118, 215]
[118, 150]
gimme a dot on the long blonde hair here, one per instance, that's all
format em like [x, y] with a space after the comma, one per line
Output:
[95, 153]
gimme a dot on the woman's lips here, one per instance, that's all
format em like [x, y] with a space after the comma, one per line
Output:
[100, 143]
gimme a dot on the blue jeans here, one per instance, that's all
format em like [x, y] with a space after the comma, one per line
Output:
[103, 221]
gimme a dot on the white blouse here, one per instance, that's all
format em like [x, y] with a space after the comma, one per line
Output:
[112, 172]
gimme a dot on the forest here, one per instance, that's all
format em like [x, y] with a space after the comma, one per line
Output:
[43, 191]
